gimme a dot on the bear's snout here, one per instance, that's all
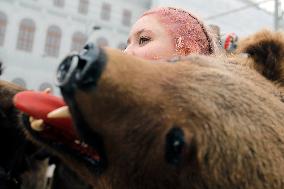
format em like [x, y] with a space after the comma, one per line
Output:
[81, 70]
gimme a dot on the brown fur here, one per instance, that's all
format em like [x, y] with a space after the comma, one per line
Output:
[16, 151]
[231, 117]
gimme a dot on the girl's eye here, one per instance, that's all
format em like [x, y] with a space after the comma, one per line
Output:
[143, 40]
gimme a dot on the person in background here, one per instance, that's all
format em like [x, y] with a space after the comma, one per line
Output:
[230, 42]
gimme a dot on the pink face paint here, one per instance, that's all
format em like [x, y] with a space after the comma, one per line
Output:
[188, 33]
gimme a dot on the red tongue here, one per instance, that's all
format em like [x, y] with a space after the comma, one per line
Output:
[39, 104]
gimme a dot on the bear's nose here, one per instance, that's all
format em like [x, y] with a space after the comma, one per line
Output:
[81, 70]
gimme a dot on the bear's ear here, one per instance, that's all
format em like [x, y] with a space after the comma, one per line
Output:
[179, 147]
[266, 48]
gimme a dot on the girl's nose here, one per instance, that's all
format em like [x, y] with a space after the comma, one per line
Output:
[129, 50]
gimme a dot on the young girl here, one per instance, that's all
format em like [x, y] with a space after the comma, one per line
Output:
[166, 32]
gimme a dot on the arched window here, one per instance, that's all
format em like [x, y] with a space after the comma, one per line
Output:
[52, 43]
[102, 42]
[44, 86]
[121, 46]
[78, 41]
[58, 3]
[26, 35]
[126, 17]
[3, 24]
[83, 6]
[105, 12]
[19, 81]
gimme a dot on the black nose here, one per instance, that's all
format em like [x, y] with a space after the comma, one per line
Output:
[81, 70]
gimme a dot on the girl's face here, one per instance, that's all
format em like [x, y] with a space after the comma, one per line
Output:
[148, 39]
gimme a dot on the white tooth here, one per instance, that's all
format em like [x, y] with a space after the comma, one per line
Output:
[37, 124]
[77, 141]
[47, 90]
[62, 112]
[31, 119]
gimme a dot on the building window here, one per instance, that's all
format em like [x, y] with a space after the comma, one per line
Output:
[58, 3]
[20, 82]
[126, 17]
[78, 41]
[121, 46]
[52, 43]
[44, 86]
[26, 35]
[102, 42]
[3, 24]
[105, 12]
[83, 6]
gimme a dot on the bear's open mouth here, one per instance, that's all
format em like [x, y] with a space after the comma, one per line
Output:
[77, 72]
[68, 142]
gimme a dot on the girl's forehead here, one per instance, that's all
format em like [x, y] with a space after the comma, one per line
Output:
[148, 26]
[146, 23]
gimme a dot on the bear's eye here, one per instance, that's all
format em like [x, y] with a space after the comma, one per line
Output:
[175, 146]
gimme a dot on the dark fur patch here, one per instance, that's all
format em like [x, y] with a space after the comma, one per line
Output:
[265, 49]
[1, 68]
[268, 54]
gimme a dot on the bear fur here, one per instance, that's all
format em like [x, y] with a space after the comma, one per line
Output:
[224, 112]
[18, 167]
[201, 122]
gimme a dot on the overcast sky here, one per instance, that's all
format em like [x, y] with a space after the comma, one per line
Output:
[265, 4]
[269, 5]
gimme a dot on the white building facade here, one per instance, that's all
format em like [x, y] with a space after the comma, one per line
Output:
[36, 34]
